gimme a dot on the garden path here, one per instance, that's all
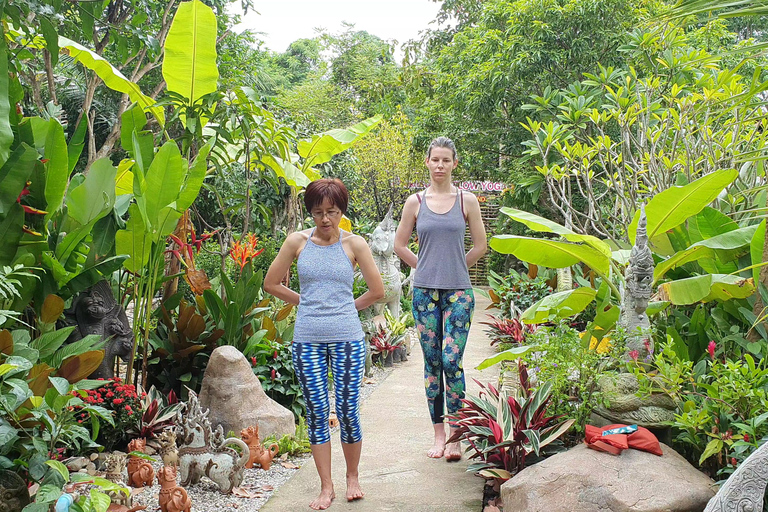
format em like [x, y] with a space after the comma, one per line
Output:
[395, 472]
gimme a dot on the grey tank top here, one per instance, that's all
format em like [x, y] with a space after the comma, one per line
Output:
[441, 263]
[327, 306]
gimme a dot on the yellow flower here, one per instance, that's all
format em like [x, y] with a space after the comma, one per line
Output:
[602, 346]
[345, 224]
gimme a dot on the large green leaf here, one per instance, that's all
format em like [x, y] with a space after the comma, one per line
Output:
[543, 225]
[6, 132]
[707, 288]
[111, 76]
[507, 355]
[162, 184]
[14, 175]
[194, 180]
[11, 233]
[551, 253]
[559, 305]
[134, 241]
[286, 170]
[724, 247]
[57, 166]
[77, 143]
[322, 147]
[133, 119]
[672, 207]
[95, 197]
[189, 64]
[708, 223]
[756, 248]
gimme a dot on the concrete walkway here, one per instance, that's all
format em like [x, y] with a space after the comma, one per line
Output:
[395, 472]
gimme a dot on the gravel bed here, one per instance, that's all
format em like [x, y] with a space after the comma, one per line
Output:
[258, 485]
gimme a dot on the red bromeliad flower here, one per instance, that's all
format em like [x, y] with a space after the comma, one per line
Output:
[634, 354]
[186, 250]
[244, 250]
[711, 349]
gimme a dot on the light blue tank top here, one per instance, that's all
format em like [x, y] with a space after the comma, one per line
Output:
[442, 262]
[327, 306]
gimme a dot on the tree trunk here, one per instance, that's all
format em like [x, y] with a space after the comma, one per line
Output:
[762, 281]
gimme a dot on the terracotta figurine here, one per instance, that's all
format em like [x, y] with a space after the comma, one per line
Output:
[259, 454]
[140, 472]
[168, 450]
[172, 497]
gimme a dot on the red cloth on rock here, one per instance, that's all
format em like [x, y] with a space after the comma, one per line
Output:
[642, 439]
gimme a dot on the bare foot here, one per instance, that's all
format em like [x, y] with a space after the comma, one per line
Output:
[354, 492]
[453, 452]
[438, 448]
[323, 501]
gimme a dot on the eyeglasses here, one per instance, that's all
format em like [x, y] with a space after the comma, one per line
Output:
[333, 214]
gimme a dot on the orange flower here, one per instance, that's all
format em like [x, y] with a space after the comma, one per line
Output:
[245, 249]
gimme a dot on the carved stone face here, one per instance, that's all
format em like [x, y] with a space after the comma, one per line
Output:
[122, 338]
[382, 242]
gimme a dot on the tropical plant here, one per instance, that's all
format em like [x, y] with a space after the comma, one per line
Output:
[502, 431]
[123, 403]
[514, 292]
[158, 413]
[505, 330]
[292, 445]
[273, 365]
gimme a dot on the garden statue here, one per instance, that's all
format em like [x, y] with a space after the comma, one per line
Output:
[140, 472]
[113, 466]
[14, 495]
[168, 450]
[745, 489]
[205, 452]
[259, 454]
[636, 294]
[383, 248]
[95, 311]
[172, 498]
[620, 391]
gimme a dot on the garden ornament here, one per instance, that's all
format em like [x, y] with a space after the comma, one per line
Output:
[68, 497]
[638, 279]
[205, 452]
[745, 488]
[382, 245]
[95, 311]
[14, 495]
[259, 454]
[172, 498]
[113, 467]
[168, 451]
[140, 472]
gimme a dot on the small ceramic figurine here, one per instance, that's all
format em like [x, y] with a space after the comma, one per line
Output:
[113, 467]
[168, 451]
[259, 454]
[172, 498]
[140, 472]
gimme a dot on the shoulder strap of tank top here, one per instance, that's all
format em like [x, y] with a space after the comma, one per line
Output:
[461, 200]
[419, 197]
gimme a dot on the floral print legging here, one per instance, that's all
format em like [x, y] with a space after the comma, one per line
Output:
[443, 318]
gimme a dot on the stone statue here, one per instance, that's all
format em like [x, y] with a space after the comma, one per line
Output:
[172, 498]
[14, 495]
[638, 279]
[382, 245]
[95, 311]
[744, 490]
[260, 455]
[620, 390]
[205, 452]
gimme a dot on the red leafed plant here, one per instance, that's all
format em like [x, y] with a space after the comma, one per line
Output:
[382, 342]
[158, 413]
[503, 430]
[505, 330]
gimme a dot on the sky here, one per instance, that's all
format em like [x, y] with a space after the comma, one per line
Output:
[284, 21]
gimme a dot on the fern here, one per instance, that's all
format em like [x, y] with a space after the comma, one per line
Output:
[10, 284]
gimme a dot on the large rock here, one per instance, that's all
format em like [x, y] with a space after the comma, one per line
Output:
[584, 480]
[236, 399]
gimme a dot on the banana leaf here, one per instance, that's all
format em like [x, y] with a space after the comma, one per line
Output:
[559, 305]
[551, 253]
[707, 288]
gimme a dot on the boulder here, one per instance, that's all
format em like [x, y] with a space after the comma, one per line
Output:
[584, 480]
[236, 400]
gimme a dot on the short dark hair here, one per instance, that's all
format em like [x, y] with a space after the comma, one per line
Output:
[442, 142]
[332, 189]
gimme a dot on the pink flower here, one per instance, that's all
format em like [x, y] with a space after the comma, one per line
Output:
[711, 349]
[634, 354]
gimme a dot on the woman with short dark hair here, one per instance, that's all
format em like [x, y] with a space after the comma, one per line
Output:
[443, 300]
[327, 326]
